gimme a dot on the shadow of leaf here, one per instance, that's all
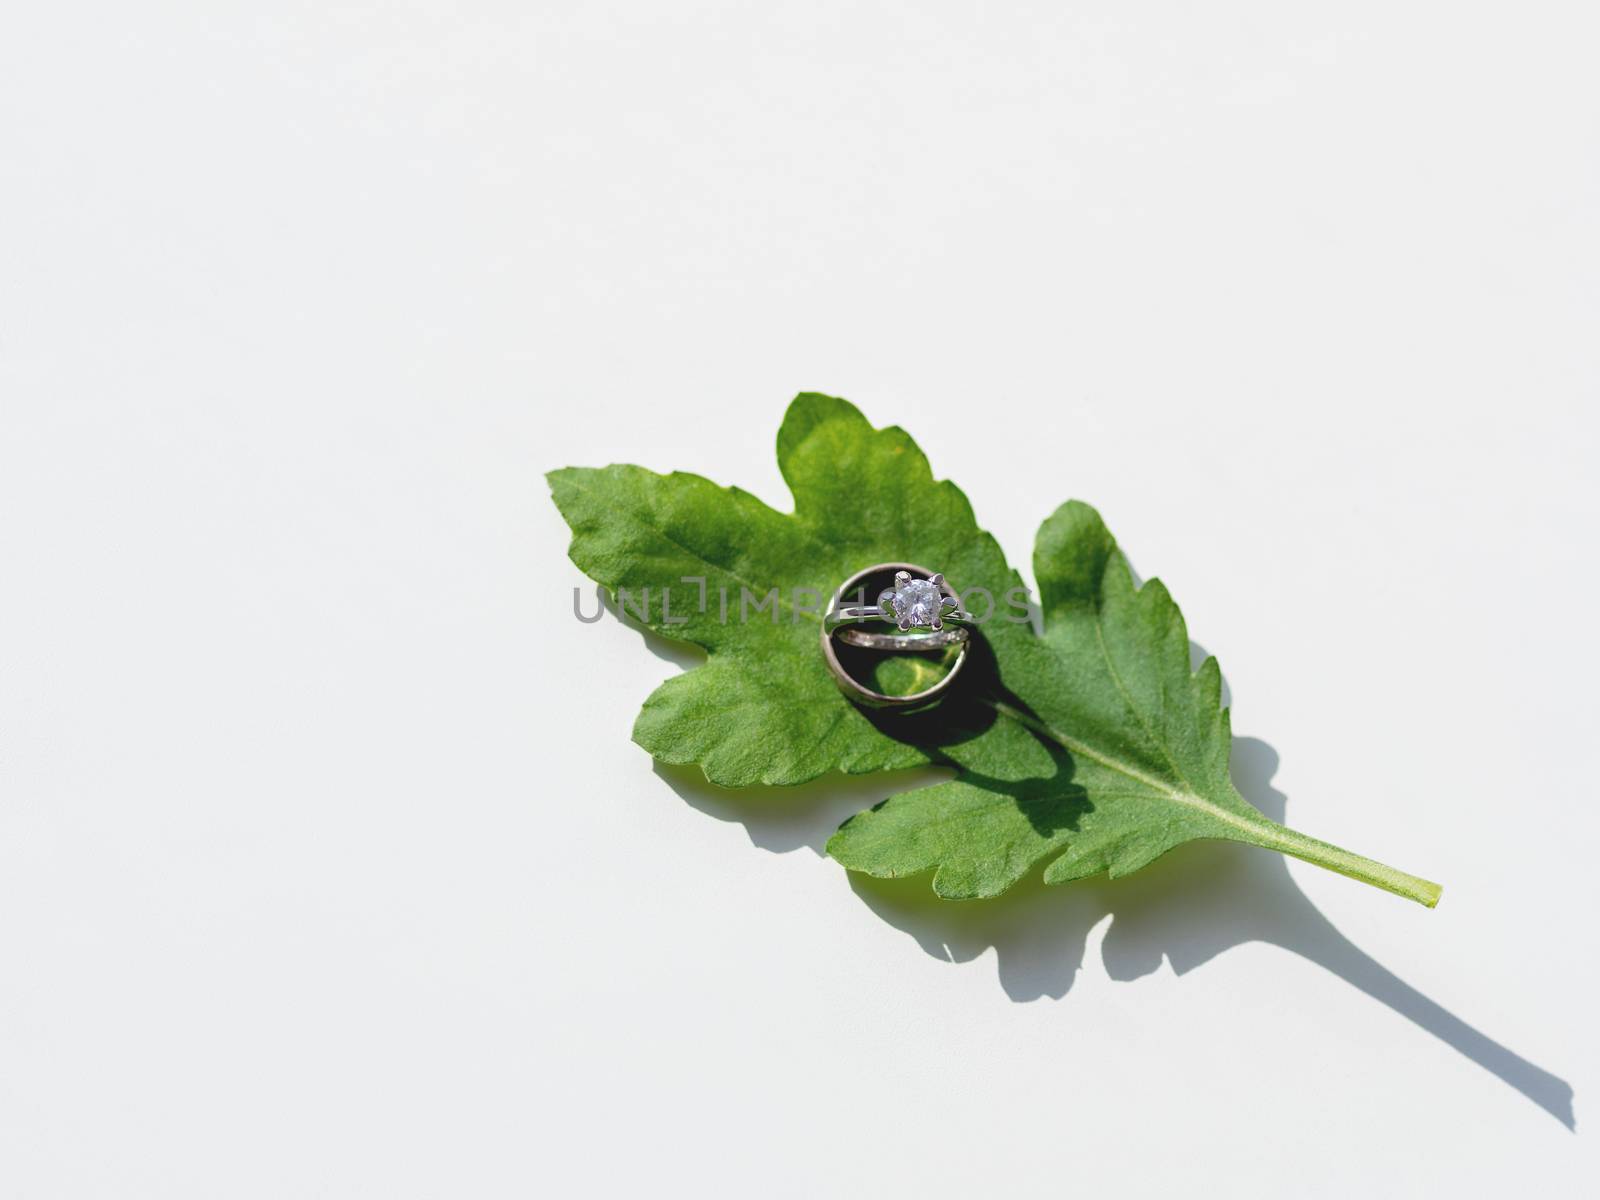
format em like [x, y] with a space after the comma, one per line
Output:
[683, 655]
[1234, 894]
[785, 819]
[1185, 909]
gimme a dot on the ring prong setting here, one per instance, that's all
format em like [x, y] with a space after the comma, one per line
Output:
[915, 603]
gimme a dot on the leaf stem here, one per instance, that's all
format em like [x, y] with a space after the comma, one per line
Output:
[1261, 830]
[1324, 854]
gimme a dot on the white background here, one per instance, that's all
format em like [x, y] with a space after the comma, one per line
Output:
[326, 865]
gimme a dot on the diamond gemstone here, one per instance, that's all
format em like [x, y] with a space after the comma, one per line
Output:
[917, 601]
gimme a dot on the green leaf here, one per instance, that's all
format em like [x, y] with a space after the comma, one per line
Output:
[1092, 748]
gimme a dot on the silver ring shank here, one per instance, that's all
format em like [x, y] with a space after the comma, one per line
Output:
[852, 613]
[904, 643]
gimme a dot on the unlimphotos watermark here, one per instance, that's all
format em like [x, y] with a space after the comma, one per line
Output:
[662, 606]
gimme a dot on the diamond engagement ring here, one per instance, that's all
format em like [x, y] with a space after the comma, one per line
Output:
[911, 603]
[919, 604]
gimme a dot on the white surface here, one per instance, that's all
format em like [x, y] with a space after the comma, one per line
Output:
[313, 885]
